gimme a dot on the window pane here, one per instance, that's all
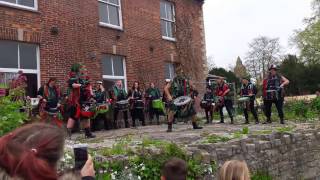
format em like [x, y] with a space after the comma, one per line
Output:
[169, 28]
[118, 66]
[163, 10]
[169, 11]
[163, 28]
[114, 2]
[106, 65]
[167, 71]
[114, 15]
[103, 12]
[29, 3]
[10, 1]
[8, 54]
[28, 56]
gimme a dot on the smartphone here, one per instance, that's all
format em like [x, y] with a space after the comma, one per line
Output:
[80, 155]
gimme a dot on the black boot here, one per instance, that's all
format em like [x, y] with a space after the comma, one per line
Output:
[169, 127]
[247, 121]
[126, 124]
[133, 123]
[268, 121]
[257, 121]
[281, 121]
[231, 120]
[115, 125]
[195, 126]
[222, 120]
[69, 133]
[88, 133]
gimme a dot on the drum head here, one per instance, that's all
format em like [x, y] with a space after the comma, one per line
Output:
[243, 99]
[123, 102]
[182, 100]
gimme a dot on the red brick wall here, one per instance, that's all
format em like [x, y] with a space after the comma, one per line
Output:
[80, 35]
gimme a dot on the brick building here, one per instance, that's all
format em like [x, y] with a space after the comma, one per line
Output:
[130, 40]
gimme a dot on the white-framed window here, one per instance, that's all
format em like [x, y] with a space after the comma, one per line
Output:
[16, 56]
[21, 4]
[113, 69]
[110, 13]
[167, 14]
[169, 71]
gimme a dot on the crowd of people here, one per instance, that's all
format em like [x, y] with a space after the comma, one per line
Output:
[83, 99]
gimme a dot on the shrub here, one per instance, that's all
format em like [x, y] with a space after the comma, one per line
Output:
[261, 175]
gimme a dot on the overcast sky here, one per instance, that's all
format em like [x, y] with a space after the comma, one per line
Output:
[231, 24]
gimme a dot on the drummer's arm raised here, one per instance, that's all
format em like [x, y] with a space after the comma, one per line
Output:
[285, 81]
[226, 92]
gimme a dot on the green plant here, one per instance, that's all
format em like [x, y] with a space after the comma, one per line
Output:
[4, 86]
[285, 129]
[213, 138]
[10, 115]
[315, 104]
[120, 148]
[261, 175]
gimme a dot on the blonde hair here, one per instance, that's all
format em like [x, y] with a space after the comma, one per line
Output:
[234, 170]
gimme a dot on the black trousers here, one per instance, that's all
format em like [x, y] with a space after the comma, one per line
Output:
[268, 106]
[229, 106]
[115, 117]
[137, 114]
[250, 105]
[209, 112]
[152, 113]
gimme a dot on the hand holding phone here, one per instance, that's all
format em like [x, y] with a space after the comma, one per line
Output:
[80, 155]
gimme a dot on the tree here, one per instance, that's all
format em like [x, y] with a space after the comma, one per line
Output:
[264, 51]
[240, 70]
[229, 75]
[304, 78]
[308, 40]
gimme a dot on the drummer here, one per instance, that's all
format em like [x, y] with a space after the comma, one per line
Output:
[153, 93]
[170, 94]
[49, 96]
[248, 90]
[273, 92]
[209, 99]
[136, 103]
[118, 94]
[222, 91]
[99, 93]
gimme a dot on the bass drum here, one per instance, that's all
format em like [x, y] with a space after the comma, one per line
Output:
[122, 105]
[184, 107]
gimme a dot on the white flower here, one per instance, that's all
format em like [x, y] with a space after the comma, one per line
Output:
[130, 175]
[126, 167]
[139, 177]
[143, 168]
[113, 176]
[210, 169]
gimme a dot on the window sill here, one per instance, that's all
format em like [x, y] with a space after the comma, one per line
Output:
[169, 39]
[16, 6]
[111, 26]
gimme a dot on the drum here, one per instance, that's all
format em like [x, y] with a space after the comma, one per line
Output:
[272, 95]
[88, 110]
[122, 105]
[157, 104]
[243, 99]
[102, 108]
[138, 104]
[182, 100]
[204, 104]
[34, 102]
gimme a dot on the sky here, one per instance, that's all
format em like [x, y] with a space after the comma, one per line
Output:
[230, 25]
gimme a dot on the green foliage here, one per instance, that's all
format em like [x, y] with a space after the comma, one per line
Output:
[213, 138]
[315, 104]
[147, 166]
[285, 129]
[231, 77]
[261, 175]
[10, 115]
[119, 148]
[4, 86]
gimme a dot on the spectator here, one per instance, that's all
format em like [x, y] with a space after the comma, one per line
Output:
[32, 153]
[174, 169]
[234, 170]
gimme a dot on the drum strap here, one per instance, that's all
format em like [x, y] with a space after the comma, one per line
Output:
[185, 87]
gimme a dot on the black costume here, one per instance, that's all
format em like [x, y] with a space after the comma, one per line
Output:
[224, 101]
[209, 98]
[136, 105]
[119, 95]
[153, 94]
[247, 90]
[273, 93]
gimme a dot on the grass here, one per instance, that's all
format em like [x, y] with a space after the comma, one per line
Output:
[261, 175]
[213, 138]
[285, 129]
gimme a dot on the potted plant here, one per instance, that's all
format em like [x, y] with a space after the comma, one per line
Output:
[3, 89]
